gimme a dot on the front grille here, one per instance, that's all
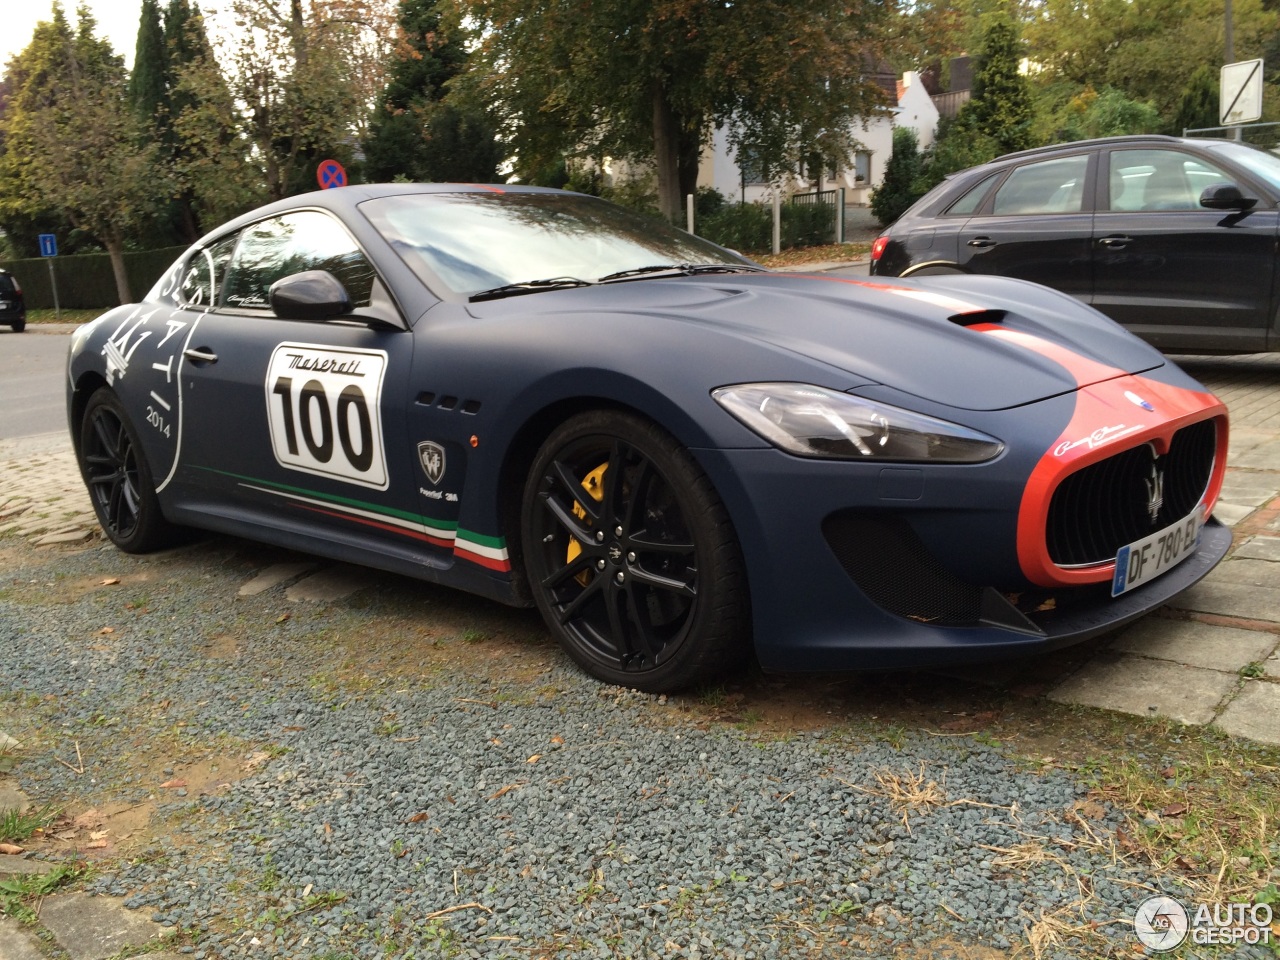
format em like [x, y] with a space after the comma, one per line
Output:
[1097, 510]
[893, 567]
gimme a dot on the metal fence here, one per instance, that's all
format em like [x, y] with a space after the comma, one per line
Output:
[834, 199]
[1265, 135]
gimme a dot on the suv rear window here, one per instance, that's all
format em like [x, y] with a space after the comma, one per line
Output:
[6, 283]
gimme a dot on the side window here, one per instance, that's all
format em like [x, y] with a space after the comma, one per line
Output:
[277, 248]
[973, 198]
[1153, 180]
[192, 283]
[1050, 186]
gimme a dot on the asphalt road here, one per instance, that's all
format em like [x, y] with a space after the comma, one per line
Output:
[31, 395]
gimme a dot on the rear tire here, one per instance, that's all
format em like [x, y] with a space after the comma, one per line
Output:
[630, 555]
[119, 478]
[18, 325]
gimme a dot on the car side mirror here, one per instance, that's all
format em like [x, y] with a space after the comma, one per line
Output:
[1226, 196]
[310, 295]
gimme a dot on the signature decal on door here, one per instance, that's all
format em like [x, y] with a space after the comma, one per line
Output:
[324, 411]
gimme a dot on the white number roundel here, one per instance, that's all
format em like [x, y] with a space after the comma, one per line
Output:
[323, 407]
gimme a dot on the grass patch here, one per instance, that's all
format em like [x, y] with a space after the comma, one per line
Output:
[17, 894]
[16, 827]
[822, 254]
[1205, 813]
[44, 315]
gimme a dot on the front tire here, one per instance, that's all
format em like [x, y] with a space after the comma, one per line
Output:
[630, 555]
[119, 479]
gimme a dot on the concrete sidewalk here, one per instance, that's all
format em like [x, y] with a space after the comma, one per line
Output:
[1211, 657]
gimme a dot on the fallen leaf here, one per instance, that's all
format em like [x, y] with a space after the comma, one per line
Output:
[535, 758]
[505, 790]
[283, 617]
[109, 582]
[98, 834]
[1089, 809]
[95, 845]
[418, 817]
[328, 830]
[11, 849]
[557, 739]
[293, 729]
[173, 784]
[1050, 604]
[495, 741]
[105, 630]
[1174, 810]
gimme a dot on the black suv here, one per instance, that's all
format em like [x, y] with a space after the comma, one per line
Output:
[1175, 238]
[13, 308]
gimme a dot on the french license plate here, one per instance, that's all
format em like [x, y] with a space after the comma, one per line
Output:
[1144, 560]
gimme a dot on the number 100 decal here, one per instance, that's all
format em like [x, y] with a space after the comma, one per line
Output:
[324, 412]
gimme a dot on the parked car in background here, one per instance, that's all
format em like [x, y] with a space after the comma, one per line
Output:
[13, 308]
[1174, 238]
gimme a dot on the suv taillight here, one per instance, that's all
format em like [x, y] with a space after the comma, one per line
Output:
[17, 287]
[877, 248]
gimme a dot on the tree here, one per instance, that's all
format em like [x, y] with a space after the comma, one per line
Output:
[1001, 106]
[648, 82]
[303, 85]
[414, 132]
[149, 81]
[897, 190]
[1198, 106]
[72, 140]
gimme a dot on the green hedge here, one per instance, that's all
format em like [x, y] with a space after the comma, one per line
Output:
[86, 281]
[749, 226]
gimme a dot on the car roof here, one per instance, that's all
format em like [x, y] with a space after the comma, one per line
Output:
[1154, 139]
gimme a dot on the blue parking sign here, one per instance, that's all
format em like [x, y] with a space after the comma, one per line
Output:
[48, 245]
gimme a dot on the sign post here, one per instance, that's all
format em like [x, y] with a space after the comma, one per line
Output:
[49, 248]
[1241, 93]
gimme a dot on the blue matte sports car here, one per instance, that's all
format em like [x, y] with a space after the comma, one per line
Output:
[680, 458]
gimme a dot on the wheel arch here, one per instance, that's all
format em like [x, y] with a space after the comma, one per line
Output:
[933, 268]
[85, 387]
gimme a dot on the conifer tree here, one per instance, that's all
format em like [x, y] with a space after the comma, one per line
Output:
[148, 83]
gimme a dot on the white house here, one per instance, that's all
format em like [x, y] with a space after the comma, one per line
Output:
[914, 108]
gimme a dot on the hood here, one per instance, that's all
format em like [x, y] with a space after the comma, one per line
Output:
[977, 343]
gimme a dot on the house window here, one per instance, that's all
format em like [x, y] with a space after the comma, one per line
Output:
[751, 165]
[862, 167]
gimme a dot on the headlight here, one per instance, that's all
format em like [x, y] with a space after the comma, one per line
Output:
[812, 421]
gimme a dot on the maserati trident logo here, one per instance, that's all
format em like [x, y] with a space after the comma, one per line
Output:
[431, 456]
[1155, 492]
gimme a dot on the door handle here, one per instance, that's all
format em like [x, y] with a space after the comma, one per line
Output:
[201, 355]
[1115, 243]
[982, 243]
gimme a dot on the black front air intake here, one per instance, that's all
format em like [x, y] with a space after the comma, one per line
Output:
[893, 567]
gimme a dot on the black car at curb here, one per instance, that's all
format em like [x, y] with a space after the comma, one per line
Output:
[13, 307]
[1175, 238]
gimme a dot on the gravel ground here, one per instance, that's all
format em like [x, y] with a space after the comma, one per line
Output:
[355, 779]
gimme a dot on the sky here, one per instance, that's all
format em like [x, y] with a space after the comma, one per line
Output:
[117, 21]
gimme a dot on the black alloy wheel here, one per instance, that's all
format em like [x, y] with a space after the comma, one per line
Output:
[119, 480]
[631, 556]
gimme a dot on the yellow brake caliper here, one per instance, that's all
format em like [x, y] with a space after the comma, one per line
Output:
[593, 483]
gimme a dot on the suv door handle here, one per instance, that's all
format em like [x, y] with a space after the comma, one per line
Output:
[982, 243]
[1117, 242]
[203, 355]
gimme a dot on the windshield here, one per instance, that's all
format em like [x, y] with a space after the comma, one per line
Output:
[478, 241]
[1264, 165]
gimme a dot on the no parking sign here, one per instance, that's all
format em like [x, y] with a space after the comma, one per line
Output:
[330, 174]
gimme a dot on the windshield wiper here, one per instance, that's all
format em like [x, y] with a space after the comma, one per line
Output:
[528, 286]
[681, 270]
